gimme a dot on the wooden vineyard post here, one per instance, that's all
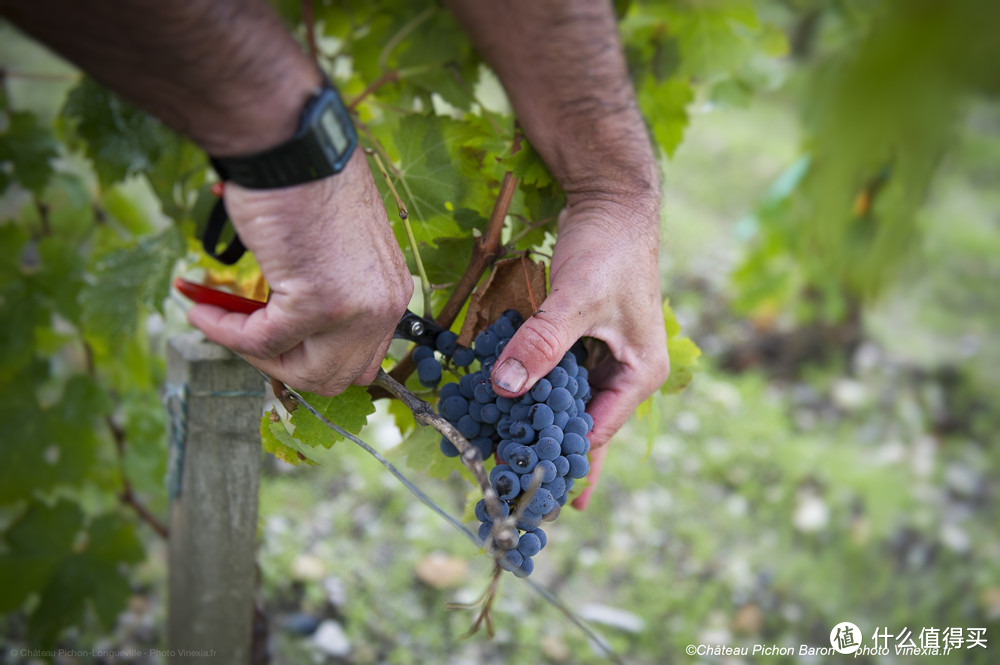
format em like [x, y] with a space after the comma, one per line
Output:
[215, 402]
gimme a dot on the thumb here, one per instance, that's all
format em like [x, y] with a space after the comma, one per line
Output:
[537, 346]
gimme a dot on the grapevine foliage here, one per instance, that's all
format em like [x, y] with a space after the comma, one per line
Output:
[98, 207]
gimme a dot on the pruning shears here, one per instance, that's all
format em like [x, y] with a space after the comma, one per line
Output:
[411, 327]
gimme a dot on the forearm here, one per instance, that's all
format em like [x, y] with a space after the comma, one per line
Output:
[562, 65]
[226, 73]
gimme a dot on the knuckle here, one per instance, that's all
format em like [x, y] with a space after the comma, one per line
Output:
[541, 338]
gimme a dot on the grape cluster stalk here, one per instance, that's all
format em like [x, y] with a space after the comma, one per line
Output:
[539, 440]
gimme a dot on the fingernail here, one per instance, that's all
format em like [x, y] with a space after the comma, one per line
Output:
[510, 375]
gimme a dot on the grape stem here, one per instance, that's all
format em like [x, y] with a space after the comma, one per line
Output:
[424, 414]
[484, 603]
[425, 282]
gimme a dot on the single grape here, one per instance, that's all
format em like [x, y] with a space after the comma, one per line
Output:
[568, 363]
[483, 392]
[542, 502]
[429, 370]
[562, 465]
[463, 357]
[449, 390]
[491, 414]
[577, 425]
[466, 384]
[483, 515]
[541, 416]
[529, 521]
[484, 531]
[511, 560]
[572, 386]
[422, 353]
[573, 444]
[525, 569]
[579, 467]
[448, 448]
[540, 391]
[547, 448]
[529, 545]
[505, 482]
[484, 344]
[504, 446]
[549, 470]
[522, 432]
[551, 432]
[521, 459]
[557, 486]
[504, 328]
[467, 426]
[560, 399]
[505, 404]
[557, 377]
[446, 342]
[454, 407]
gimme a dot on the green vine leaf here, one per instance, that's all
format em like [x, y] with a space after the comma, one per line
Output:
[125, 281]
[28, 147]
[48, 445]
[421, 450]
[50, 553]
[350, 410]
[119, 139]
[684, 354]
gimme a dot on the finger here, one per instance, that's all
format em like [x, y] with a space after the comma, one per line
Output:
[596, 463]
[266, 333]
[369, 374]
[256, 334]
[538, 346]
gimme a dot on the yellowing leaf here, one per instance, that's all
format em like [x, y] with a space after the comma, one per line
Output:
[280, 443]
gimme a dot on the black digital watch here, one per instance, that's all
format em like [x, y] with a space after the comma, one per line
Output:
[321, 147]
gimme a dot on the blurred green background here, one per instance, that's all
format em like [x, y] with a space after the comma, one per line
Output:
[837, 259]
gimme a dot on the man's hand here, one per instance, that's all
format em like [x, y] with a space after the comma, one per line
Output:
[338, 281]
[564, 70]
[605, 284]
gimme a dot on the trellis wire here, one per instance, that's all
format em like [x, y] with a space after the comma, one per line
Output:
[542, 591]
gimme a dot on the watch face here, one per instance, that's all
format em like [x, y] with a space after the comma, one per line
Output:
[331, 125]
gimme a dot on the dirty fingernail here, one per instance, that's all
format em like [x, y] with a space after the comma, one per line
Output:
[510, 375]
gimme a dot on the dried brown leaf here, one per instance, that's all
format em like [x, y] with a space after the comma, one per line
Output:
[516, 283]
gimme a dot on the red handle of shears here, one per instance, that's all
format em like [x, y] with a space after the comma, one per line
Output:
[205, 295]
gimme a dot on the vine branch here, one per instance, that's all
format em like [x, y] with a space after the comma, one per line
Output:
[486, 249]
[309, 20]
[424, 414]
[388, 77]
[127, 495]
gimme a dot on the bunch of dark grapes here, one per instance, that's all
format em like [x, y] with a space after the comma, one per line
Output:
[539, 439]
